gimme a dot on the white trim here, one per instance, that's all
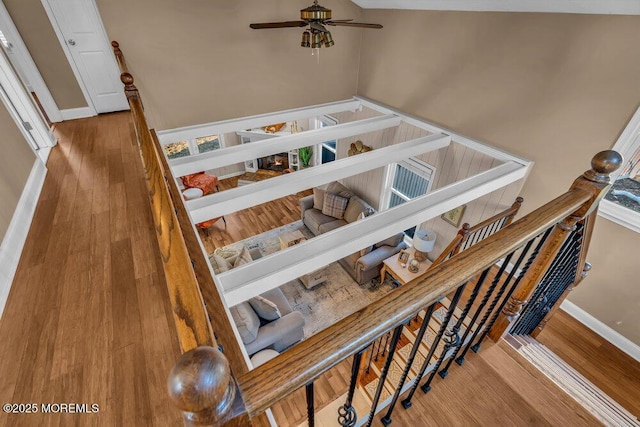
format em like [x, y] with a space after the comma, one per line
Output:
[28, 66]
[606, 332]
[77, 113]
[600, 7]
[223, 203]
[252, 122]
[63, 43]
[273, 270]
[16, 235]
[230, 175]
[620, 215]
[239, 153]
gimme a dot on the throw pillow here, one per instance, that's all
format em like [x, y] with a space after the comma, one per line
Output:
[392, 241]
[355, 206]
[244, 257]
[368, 249]
[336, 188]
[318, 198]
[246, 321]
[264, 308]
[334, 205]
[219, 264]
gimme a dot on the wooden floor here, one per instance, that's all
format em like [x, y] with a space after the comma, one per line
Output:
[88, 320]
[611, 370]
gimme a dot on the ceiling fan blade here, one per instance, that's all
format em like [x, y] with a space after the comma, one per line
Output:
[318, 27]
[284, 24]
[353, 24]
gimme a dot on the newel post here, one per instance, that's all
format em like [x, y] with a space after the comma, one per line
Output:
[202, 387]
[596, 182]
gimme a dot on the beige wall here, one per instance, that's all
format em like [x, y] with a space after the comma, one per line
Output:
[198, 61]
[35, 29]
[15, 165]
[553, 88]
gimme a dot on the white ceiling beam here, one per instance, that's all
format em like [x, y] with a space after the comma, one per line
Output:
[282, 144]
[226, 202]
[599, 7]
[251, 122]
[274, 270]
[456, 137]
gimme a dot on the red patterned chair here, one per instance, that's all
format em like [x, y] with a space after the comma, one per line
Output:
[207, 184]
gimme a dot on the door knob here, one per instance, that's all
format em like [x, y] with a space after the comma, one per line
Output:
[71, 42]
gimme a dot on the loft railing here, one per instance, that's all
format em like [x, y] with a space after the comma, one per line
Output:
[481, 290]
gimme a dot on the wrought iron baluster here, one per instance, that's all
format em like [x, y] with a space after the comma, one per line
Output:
[385, 371]
[483, 303]
[386, 420]
[457, 342]
[347, 416]
[534, 254]
[310, 406]
[406, 402]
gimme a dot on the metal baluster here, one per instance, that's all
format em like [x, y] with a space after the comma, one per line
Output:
[386, 420]
[556, 270]
[534, 254]
[347, 416]
[456, 329]
[385, 370]
[484, 302]
[406, 402]
[310, 407]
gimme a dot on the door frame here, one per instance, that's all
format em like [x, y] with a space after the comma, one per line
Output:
[29, 67]
[90, 110]
[21, 107]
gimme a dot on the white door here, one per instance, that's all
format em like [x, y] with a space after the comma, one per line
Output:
[79, 27]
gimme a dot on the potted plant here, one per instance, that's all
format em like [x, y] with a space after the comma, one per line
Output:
[305, 154]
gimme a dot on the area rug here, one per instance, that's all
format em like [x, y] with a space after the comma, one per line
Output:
[326, 303]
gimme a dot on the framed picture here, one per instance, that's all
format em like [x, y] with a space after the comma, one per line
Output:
[403, 257]
[454, 216]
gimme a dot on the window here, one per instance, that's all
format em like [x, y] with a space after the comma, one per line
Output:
[177, 149]
[407, 180]
[327, 150]
[622, 204]
[203, 144]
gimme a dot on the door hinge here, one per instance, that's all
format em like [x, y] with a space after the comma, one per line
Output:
[27, 126]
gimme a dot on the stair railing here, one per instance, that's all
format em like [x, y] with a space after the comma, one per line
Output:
[212, 388]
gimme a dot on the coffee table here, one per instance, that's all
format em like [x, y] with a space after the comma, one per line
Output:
[291, 238]
[392, 266]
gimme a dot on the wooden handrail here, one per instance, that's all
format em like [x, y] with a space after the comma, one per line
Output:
[269, 383]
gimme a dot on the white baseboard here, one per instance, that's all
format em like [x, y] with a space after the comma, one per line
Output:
[77, 113]
[14, 239]
[231, 175]
[615, 338]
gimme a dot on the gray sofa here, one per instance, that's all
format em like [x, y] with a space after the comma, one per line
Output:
[363, 265]
[259, 328]
[258, 333]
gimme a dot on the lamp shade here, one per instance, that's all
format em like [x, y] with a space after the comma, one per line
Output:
[424, 240]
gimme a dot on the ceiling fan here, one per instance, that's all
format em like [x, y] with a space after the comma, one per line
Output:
[316, 17]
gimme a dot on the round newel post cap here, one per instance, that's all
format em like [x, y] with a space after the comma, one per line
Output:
[126, 78]
[602, 165]
[200, 384]
[115, 44]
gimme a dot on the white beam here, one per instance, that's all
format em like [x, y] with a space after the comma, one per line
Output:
[600, 7]
[240, 153]
[276, 269]
[251, 122]
[505, 156]
[226, 202]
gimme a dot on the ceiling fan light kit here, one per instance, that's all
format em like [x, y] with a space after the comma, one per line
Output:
[316, 17]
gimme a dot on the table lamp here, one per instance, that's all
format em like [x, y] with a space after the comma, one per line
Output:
[423, 242]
